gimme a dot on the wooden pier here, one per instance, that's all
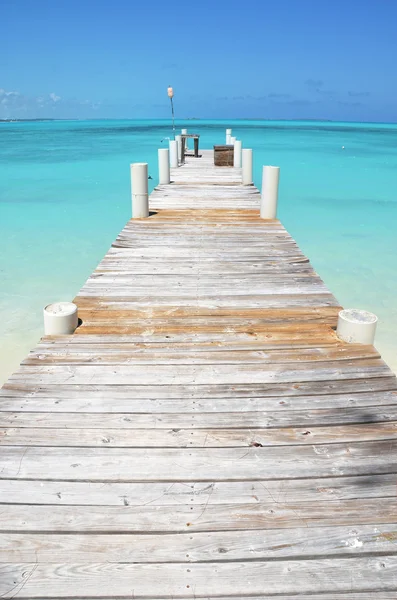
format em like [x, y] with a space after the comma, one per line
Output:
[204, 433]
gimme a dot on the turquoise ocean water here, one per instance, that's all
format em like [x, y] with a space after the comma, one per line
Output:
[65, 194]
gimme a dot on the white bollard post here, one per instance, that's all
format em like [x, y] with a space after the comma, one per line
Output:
[246, 156]
[178, 139]
[228, 136]
[269, 197]
[173, 154]
[356, 326]
[164, 165]
[232, 140]
[184, 132]
[237, 153]
[140, 192]
[60, 318]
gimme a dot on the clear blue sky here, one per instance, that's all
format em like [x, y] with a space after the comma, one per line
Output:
[331, 59]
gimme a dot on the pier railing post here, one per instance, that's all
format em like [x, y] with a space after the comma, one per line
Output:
[356, 326]
[183, 150]
[237, 153]
[139, 189]
[269, 195]
[173, 154]
[246, 163]
[232, 140]
[178, 139]
[228, 136]
[60, 318]
[164, 165]
[184, 132]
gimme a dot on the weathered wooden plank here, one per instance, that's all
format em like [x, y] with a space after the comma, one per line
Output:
[196, 392]
[132, 257]
[238, 314]
[215, 546]
[142, 228]
[197, 419]
[195, 438]
[201, 374]
[209, 230]
[297, 294]
[272, 334]
[117, 265]
[241, 312]
[205, 190]
[193, 235]
[107, 356]
[177, 244]
[151, 346]
[188, 517]
[214, 217]
[288, 280]
[370, 404]
[14, 491]
[213, 250]
[201, 464]
[29, 580]
[286, 331]
[163, 191]
[207, 203]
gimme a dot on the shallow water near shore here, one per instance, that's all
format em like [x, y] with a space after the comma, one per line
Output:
[65, 195]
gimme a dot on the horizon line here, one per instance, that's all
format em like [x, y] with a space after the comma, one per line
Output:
[308, 119]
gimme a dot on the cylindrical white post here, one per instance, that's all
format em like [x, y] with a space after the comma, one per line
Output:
[356, 326]
[178, 139]
[232, 140]
[184, 132]
[173, 154]
[246, 155]
[228, 136]
[60, 318]
[140, 193]
[164, 165]
[269, 197]
[237, 153]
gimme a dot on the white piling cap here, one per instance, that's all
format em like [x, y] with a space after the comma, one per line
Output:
[61, 309]
[356, 326]
[60, 318]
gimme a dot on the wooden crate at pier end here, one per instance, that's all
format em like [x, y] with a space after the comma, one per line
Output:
[223, 156]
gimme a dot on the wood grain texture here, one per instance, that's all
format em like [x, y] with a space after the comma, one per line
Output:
[303, 542]
[352, 574]
[361, 407]
[193, 391]
[197, 420]
[204, 433]
[197, 493]
[193, 438]
[186, 517]
[202, 464]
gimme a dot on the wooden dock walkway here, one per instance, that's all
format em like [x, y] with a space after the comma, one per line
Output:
[203, 434]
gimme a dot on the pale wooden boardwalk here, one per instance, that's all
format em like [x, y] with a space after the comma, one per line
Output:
[203, 434]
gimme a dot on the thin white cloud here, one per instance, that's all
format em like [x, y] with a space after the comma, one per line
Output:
[4, 92]
[54, 97]
[14, 105]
